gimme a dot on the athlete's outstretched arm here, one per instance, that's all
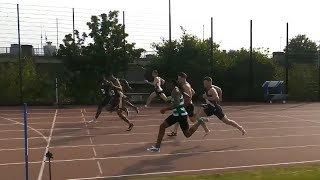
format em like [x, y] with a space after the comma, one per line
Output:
[175, 97]
[150, 83]
[162, 81]
[193, 92]
[116, 86]
[125, 82]
[186, 94]
[219, 91]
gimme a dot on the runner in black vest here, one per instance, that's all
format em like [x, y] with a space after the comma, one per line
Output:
[108, 94]
[116, 102]
[213, 108]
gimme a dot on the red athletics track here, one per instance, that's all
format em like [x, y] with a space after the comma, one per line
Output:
[277, 135]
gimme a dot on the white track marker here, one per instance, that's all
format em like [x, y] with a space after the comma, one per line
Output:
[37, 131]
[47, 148]
[91, 142]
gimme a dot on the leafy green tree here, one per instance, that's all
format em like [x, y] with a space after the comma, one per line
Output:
[302, 50]
[192, 55]
[183, 55]
[72, 47]
[236, 78]
[303, 81]
[36, 86]
[189, 54]
[109, 49]
[9, 83]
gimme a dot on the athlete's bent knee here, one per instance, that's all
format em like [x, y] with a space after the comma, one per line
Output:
[186, 134]
[119, 111]
[99, 107]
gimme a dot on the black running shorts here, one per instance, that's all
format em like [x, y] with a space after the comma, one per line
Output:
[190, 110]
[105, 101]
[182, 120]
[214, 110]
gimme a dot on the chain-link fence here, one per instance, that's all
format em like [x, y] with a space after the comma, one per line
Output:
[31, 35]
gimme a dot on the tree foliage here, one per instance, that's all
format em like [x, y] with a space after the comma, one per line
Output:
[235, 79]
[109, 51]
[36, 86]
[86, 56]
[302, 50]
[192, 55]
[186, 54]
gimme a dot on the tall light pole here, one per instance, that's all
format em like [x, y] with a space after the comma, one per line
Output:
[170, 22]
[318, 52]
[203, 33]
[280, 44]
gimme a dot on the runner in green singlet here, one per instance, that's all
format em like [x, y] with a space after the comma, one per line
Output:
[179, 114]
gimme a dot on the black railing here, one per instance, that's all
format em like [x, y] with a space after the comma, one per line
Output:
[15, 51]
[40, 52]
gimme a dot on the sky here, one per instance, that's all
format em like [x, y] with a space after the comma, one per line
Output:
[147, 20]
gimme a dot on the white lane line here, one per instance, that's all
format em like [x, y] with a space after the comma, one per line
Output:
[189, 141]
[38, 137]
[129, 134]
[167, 141]
[178, 154]
[209, 152]
[237, 112]
[10, 124]
[91, 142]
[42, 123]
[29, 127]
[30, 108]
[47, 147]
[290, 117]
[20, 163]
[202, 170]
[164, 116]
[147, 133]
[234, 106]
[148, 120]
[30, 113]
[99, 167]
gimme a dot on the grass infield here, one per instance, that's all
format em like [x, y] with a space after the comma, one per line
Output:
[290, 173]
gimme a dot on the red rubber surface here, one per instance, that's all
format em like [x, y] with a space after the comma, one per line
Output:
[277, 134]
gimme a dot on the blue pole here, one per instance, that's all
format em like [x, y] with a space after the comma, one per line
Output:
[26, 139]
